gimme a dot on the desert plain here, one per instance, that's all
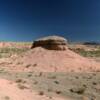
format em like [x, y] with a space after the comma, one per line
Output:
[67, 72]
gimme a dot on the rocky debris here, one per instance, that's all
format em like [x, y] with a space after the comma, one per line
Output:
[51, 43]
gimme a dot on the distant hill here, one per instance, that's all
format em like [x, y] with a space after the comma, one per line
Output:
[91, 43]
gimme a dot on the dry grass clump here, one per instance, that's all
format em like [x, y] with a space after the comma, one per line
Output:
[58, 92]
[20, 81]
[56, 82]
[27, 66]
[35, 82]
[29, 75]
[6, 98]
[52, 77]
[22, 86]
[41, 93]
[79, 91]
[34, 65]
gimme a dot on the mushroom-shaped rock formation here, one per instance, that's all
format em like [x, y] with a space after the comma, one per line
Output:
[51, 43]
[50, 54]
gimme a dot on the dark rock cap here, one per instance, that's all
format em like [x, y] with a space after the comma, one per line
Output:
[51, 43]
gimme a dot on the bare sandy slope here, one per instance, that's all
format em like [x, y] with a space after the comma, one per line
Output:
[10, 91]
[40, 59]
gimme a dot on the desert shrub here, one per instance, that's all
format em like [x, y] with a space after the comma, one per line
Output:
[7, 98]
[35, 82]
[27, 66]
[58, 92]
[20, 81]
[29, 75]
[78, 90]
[56, 82]
[34, 65]
[22, 86]
[49, 90]
[52, 77]
[41, 93]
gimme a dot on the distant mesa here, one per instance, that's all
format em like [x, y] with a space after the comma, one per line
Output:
[91, 43]
[51, 43]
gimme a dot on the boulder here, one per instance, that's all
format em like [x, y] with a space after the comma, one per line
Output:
[51, 43]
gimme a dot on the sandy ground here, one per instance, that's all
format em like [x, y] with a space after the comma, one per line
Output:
[49, 86]
[42, 74]
[10, 91]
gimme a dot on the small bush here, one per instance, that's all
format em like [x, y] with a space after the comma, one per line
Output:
[21, 86]
[41, 93]
[58, 92]
[79, 91]
[7, 98]
[27, 66]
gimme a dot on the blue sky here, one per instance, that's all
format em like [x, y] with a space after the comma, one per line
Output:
[26, 20]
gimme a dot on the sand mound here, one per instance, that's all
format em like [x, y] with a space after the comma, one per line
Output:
[40, 59]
